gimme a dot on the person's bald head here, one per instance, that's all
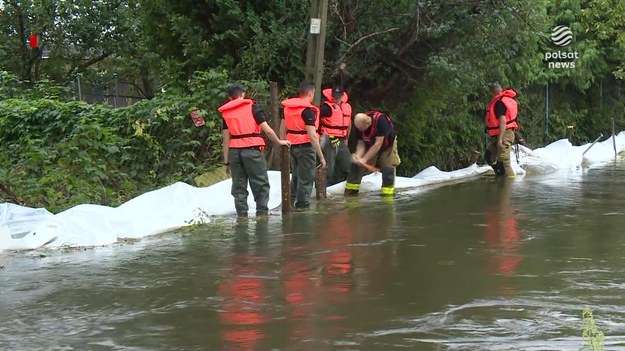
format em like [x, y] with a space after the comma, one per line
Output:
[362, 121]
[495, 88]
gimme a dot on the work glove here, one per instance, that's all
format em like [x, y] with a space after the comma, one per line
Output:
[335, 141]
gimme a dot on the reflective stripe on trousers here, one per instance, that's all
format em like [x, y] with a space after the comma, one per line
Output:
[352, 186]
[388, 190]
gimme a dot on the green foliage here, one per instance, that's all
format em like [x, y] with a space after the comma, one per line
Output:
[426, 62]
[76, 35]
[593, 337]
[59, 154]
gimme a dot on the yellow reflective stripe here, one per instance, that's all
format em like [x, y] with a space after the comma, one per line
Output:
[352, 186]
[388, 190]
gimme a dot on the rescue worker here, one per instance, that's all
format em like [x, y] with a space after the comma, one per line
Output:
[243, 146]
[376, 146]
[335, 124]
[300, 126]
[501, 125]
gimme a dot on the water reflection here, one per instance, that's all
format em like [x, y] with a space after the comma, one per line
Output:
[376, 249]
[244, 290]
[502, 233]
[337, 259]
[297, 274]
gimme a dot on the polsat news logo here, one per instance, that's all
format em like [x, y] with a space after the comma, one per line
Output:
[561, 36]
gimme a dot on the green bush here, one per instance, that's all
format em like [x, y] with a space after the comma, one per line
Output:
[58, 154]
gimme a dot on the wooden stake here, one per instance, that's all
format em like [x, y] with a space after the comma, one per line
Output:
[321, 182]
[614, 137]
[273, 159]
[569, 133]
[285, 169]
[473, 157]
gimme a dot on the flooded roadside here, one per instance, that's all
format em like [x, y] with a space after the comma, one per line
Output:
[479, 265]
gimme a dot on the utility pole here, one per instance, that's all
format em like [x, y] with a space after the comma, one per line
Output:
[316, 45]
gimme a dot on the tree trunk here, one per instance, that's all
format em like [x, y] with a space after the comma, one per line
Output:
[25, 73]
[148, 89]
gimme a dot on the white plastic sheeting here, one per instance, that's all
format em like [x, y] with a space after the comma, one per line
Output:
[19, 220]
[429, 176]
[154, 212]
[561, 155]
[180, 204]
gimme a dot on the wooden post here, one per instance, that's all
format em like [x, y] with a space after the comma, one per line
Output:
[321, 182]
[275, 106]
[316, 45]
[273, 157]
[614, 137]
[569, 133]
[473, 157]
[285, 169]
[321, 42]
[310, 51]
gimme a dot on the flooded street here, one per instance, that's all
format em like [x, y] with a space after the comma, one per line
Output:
[484, 265]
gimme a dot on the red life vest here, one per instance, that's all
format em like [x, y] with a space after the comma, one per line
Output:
[369, 137]
[338, 124]
[295, 127]
[244, 130]
[492, 122]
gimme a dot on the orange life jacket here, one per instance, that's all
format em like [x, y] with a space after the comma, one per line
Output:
[295, 127]
[492, 122]
[338, 124]
[369, 138]
[244, 130]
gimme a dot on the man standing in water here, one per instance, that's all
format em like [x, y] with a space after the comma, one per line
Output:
[300, 126]
[336, 120]
[377, 146]
[243, 144]
[501, 125]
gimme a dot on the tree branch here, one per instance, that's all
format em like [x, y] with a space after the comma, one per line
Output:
[10, 195]
[94, 60]
[414, 37]
[337, 12]
[77, 66]
[357, 42]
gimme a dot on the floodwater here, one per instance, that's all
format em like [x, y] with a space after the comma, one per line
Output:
[484, 265]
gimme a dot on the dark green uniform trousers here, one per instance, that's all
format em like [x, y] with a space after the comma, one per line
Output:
[249, 165]
[338, 158]
[303, 167]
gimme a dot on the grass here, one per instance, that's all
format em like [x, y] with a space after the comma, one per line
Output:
[592, 336]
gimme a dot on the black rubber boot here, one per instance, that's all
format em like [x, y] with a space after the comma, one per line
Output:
[351, 193]
[499, 168]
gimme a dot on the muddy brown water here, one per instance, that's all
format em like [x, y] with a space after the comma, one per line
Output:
[483, 265]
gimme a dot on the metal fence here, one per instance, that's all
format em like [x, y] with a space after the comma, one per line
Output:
[115, 93]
